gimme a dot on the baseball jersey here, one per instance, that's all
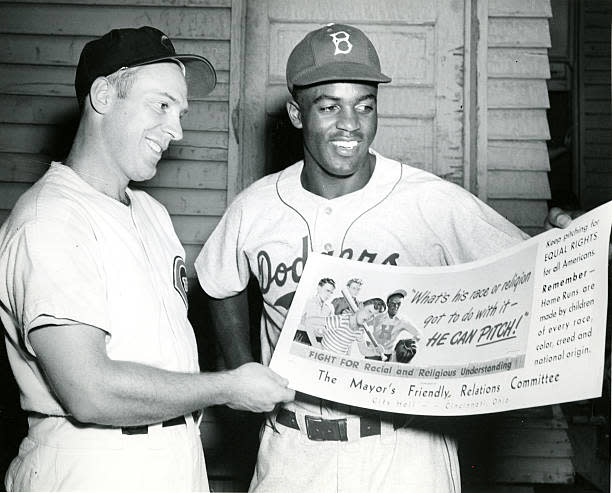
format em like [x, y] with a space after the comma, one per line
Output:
[339, 335]
[402, 216]
[386, 330]
[71, 255]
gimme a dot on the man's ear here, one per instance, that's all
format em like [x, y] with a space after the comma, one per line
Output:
[101, 94]
[295, 115]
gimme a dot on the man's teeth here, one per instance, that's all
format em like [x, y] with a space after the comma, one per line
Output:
[345, 144]
[155, 146]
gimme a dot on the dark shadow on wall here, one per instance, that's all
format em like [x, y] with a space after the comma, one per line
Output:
[230, 438]
[283, 142]
[59, 137]
[13, 420]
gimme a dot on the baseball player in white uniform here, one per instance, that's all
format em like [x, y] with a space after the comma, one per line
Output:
[338, 200]
[94, 298]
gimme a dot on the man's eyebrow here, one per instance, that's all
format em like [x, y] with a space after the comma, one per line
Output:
[168, 95]
[322, 97]
[368, 96]
[174, 100]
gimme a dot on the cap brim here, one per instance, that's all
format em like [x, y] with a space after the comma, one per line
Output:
[200, 75]
[340, 71]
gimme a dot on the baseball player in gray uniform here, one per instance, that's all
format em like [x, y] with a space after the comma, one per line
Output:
[94, 298]
[338, 201]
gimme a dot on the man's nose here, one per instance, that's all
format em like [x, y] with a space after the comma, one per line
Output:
[348, 121]
[174, 127]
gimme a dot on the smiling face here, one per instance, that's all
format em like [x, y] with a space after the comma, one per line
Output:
[339, 122]
[141, 125]
[393, 304]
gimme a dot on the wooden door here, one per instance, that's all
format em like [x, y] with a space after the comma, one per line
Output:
[420, 44]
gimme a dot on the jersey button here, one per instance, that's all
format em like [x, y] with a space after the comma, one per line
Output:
[327, 210]
[328, 247]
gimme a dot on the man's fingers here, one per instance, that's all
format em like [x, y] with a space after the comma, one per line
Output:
[559, 218]
[278, 379]
[289, 395]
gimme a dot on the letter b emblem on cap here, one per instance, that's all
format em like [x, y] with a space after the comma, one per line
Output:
[341, 42]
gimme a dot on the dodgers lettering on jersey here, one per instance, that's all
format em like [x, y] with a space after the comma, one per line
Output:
[279, 273]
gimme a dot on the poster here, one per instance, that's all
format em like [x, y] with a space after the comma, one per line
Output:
[520, 329]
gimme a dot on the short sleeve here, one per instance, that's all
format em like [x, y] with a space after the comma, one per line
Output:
[53, 274]
[222, 265]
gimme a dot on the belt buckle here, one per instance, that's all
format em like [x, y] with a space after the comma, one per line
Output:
[319, 429]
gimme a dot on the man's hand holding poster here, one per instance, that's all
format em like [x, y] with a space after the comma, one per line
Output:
[520, 329]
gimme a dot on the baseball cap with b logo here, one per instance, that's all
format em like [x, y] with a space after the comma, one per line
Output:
[333, 53]
[125, 48]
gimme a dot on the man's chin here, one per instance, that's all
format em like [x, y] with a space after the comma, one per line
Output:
[146, 176]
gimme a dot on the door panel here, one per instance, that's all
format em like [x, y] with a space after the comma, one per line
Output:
[420, 44]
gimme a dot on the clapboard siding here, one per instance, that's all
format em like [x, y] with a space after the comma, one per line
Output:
[65, 50]
[40, 43]
[551, 470]
[94, 20]
[525, 124]
[521, 211]
[192, 202]
[145, 3]
[532, 446]
[519, 8]
[594, 93]
[202, 115]
[518, 185]
[59, 81]
[39, 138]
[517, 155]
[517, 94]
[518, 32]
[25, 168]
[512, 63]
[517, 100]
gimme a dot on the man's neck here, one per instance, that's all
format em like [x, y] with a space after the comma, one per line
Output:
[88, 159]
[101, 178]
[317, 181]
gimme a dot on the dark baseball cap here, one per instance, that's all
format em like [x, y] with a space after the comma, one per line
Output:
[130, 47]
[333, 53]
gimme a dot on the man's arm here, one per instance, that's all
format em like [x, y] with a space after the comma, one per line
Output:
[95, 389]
[230, 317]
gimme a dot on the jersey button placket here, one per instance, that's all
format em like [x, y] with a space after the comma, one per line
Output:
[325, 228]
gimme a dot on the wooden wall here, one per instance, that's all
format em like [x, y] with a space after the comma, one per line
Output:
[40, 42]
[595, 124]
[517, 100]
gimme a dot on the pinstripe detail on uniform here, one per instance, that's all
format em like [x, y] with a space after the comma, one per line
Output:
[278, 194]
